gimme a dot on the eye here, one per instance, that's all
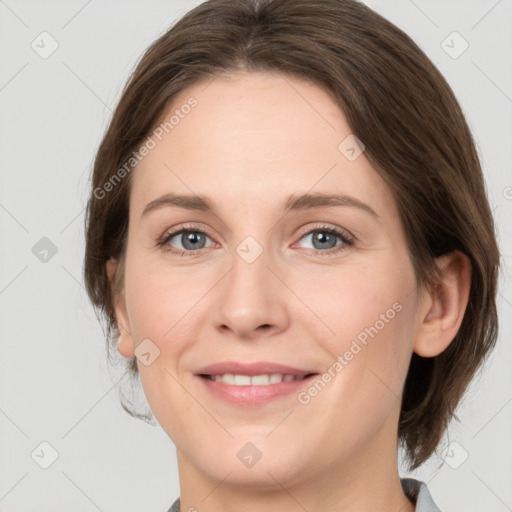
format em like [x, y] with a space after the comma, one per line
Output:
[325, 239]
[190, 238]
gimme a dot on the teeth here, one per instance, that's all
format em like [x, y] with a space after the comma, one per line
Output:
[275, 378]
[241, 380]
[255, 380]
[264, 380]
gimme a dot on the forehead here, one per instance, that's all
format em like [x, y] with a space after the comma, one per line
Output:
[251, 138]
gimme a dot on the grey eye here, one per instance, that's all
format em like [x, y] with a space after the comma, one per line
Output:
[191, 240]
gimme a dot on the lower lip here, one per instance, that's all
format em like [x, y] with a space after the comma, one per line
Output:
[253, 396]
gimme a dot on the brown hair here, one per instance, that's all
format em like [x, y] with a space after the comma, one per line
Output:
[395, 101]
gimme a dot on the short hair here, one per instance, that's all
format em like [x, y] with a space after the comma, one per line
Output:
[395, 101]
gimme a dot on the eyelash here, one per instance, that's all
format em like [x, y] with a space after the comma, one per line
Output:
[348, 240]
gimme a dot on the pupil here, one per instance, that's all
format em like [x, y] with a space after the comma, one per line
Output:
[323, 238]
[191, 238]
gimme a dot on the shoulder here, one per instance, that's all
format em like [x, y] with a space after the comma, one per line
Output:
[414, 489]
[175, 506]
[419, 493]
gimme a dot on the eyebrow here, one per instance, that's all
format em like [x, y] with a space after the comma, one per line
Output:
[292, 203]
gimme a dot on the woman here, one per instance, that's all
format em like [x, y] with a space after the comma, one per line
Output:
[289, 238]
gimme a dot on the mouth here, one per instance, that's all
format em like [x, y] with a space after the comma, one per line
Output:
[264, 379]
[253, 384]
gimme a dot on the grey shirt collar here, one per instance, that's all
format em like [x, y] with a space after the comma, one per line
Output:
[414, 489]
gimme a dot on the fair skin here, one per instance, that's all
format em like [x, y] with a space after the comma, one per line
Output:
[253, 140]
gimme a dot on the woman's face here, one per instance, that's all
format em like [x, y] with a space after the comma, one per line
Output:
[268, 282]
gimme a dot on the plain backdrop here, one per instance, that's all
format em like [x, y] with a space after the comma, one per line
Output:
[55, 386]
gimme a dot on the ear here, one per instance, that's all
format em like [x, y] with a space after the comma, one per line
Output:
[125, 344]
[443, 308]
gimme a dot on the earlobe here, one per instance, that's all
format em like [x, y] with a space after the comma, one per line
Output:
[111, 267]
[125, 344]
[445, 306]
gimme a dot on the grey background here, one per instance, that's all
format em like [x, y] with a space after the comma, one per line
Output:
[55, 385]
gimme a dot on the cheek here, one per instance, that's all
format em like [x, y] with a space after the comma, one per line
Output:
[355, 302]
[370, 357]
[159, 300]
[368, 314]
[160, 305]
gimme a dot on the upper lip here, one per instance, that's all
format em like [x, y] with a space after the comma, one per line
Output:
[251, 369]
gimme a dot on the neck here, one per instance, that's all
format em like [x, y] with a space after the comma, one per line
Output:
[361, 481]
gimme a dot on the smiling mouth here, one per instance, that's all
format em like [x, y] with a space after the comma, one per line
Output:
[255, 380]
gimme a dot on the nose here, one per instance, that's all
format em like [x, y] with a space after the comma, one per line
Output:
[252, 300]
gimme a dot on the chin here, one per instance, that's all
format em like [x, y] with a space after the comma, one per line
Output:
[257, 466]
